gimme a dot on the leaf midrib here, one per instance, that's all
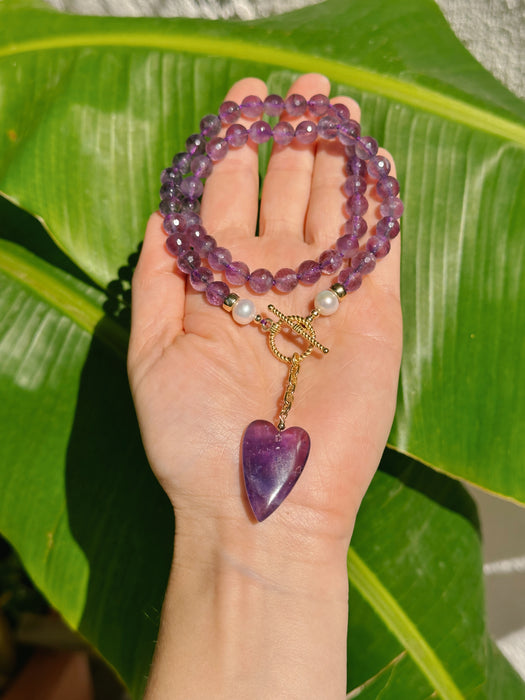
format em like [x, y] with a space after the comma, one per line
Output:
[414, 95]
[395, 618]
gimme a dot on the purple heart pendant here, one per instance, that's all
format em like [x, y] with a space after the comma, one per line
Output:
[272, 461]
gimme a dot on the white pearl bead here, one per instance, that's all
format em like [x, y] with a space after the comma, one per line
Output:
[244, 311]
[326, 302]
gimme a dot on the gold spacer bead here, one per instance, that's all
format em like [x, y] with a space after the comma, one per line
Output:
[230, 301]
[339, 290]
[258, 318]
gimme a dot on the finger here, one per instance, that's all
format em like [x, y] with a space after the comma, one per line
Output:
[286, 189]
[325, 212]
[158, 292]
[231, 196]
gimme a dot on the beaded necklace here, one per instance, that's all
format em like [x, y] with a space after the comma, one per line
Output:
[274, 456]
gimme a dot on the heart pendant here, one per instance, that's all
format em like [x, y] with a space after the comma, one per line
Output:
[272, 461]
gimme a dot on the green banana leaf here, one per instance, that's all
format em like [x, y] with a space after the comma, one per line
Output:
[91, 109]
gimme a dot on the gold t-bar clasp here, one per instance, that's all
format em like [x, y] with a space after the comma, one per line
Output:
[298, 324]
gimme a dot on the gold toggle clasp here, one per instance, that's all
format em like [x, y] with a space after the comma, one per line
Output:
[298, 324]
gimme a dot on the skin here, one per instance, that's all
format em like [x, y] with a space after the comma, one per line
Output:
[253, 609]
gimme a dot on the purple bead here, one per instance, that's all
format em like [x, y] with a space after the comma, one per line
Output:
[378, 166]
[347, 245]
[355, 226]
[355, 166]
[192, 187]
[201, 166]
[354, 184]
[181, 163]
[171, 204]
[388, 227]
[196, 234]
[195, 144]
[306, 132]
[348, 132]
[217, 148]
[286, 280]
[387, 187]
[378, 245]
[192, 218]
[189, 261]
[260, 132]
[273, 105]
[283, 133]
[216, 293]
[200, 278]
[366, 147]
[236, 135]
[350, 279]
[341, 111]
[174, 223]
[309, 272]
[364, 262]
[237, 273]
[229, 112]
[392, 206]
[170, 175]
[206, 246]
[219, 258]
[327, 127]
[295, 105]
[210, 125]
[330, 261]
[191, 205]
[261, 280]
[356, 205]
[169, 189]
[252, 107]
[177, 244]
[318, 105]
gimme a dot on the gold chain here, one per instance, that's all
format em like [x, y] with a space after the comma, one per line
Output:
[295, 366]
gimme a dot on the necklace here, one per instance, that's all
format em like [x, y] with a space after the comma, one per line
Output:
[274, 456]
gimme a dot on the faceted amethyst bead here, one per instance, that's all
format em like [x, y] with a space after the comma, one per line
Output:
[366, 147]
[200, 278]
[177, 244]
[350, 279]
[261, 280]
[260, 132]
[283, 133]
[364, 262]
[273, 105]
[195, 144]
[191, 205]
[378, 166]
[330, 261]
[341, 111]
[251, 107]
[217, 148]
[348, 131]
[229, 112]
[216, 293]
[201, 166]
[392, 206]
[170, 175]
[387, 187]
[306, 132]
[354, 184]
[174, 223]
[237, 273]
[286, 279]
[181, 163]
[318, 105]
[192, 218]
[219, 258]
[355, 166]
[236, 135]
[196, 234]
[171, 204]
[192, 187]
[355, 226]
[388, 227]
[210, 125]
[206, 246]
[378, 245]
[356, 205]
[189, 261]
[295, 105]
[169, 189]
[347, 245]
[327, 127]
[309, 272]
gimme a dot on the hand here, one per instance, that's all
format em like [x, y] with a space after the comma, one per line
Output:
[199, 379]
